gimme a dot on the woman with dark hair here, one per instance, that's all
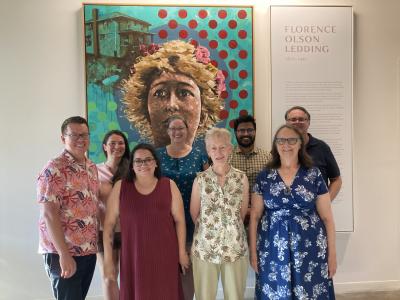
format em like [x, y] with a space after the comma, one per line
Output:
[181, 163]
[293, 249]
[153, 230]
[116, 150]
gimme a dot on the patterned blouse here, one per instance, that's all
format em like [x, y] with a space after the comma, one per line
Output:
[74, 189]
[219, 233]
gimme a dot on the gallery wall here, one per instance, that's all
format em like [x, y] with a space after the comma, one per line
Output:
[42, 83]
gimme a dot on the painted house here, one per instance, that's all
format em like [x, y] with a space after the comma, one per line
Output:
[115, 34]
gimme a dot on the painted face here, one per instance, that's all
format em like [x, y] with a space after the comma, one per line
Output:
[245, 134]
[173, 94]
[298, 118]
[76, 140]
[144, 163]
[288, 143]
[218, 150]
[177, 131]
[115, 146]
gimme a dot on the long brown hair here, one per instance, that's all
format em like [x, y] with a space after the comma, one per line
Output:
[305, 160]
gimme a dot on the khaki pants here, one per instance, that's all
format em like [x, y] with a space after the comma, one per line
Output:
[233, 277]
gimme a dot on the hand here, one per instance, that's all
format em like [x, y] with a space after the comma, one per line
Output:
[68, 265]
[332, 265]
[184, 261]
[254, 263]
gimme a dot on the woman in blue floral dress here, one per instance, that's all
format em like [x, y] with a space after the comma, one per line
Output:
[181, 163]
[292, 232]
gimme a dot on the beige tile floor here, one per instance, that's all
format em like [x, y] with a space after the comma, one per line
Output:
[395, 295]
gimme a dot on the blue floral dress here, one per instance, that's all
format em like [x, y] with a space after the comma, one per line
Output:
[291, 240]
[183, 171]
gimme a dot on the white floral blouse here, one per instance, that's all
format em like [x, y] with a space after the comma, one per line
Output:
[219, 232]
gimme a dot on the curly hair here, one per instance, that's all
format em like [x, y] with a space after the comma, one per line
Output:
[172, 57]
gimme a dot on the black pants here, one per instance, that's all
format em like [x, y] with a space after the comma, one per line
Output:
[75, 287]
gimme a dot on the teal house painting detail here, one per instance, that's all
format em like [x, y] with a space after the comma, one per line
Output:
[115, 36]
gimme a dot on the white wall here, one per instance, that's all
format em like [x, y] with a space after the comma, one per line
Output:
[42, 83]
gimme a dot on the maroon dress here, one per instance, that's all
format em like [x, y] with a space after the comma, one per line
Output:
[149, 252]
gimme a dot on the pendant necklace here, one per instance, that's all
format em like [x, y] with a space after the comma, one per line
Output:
[287, 190]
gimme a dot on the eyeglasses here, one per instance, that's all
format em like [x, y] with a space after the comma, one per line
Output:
[300, 120]
[75, 137]
[176, 128]
[140, 162]
[244, 130]
[290, 141]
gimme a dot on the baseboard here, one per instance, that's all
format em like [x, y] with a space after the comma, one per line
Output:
[340, 288]
[366, 286]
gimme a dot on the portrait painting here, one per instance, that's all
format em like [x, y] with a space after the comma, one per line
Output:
[147, 63]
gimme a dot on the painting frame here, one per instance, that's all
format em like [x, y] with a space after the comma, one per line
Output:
[226, 31]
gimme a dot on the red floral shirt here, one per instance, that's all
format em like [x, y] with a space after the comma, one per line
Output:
[74, 188]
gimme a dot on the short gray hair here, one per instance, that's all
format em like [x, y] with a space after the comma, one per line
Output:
[218, 133]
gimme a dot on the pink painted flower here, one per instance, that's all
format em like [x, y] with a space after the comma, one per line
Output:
[202, 55]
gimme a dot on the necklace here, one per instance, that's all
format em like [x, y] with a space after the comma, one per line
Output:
[287, 190]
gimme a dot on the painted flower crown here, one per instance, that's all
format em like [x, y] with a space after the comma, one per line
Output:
[201, 54]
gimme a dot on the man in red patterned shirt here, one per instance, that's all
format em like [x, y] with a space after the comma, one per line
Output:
[67, 191]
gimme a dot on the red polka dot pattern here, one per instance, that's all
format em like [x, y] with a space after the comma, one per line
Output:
[222, 14]
[203, 34]
[243, 74]
[192, 24]
[233, 104]
[243, 54]
[172, 24]
[213, 44]
[214, 63]
[232, 124]
[194, 43]
[222, 34]
[212, 24]
[233, 64]
[224, 94]
[225, 72]
[223, 54]
[232, 24]
[232, 44]
[182, 13]
[163, 34]
[243, 94]
[162, 13]
[243, 112]
[183, 34]
[203, 14]
[242, 34]
[233, 84]
[242, 14]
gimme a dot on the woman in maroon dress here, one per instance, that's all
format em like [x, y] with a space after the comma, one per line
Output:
[153, 231]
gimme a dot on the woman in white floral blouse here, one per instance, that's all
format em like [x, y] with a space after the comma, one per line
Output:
[218, 206]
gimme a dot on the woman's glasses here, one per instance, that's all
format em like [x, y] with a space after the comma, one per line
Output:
[140, 162]
[290, 141]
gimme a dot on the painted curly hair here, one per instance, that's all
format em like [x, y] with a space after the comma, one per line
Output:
[173, 57]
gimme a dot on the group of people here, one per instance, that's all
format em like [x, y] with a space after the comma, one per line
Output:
[171, 225]
[172, 219]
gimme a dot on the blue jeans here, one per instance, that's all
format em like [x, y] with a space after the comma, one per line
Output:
[75, 287]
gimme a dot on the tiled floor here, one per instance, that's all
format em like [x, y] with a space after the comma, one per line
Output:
[395, 295]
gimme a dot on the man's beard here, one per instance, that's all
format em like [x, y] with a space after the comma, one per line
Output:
[248, 143]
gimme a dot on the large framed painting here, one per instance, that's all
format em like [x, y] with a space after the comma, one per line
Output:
[146, 63]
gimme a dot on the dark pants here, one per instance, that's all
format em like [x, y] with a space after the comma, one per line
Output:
[75, 287]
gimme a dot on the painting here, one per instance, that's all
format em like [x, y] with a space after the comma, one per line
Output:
[145, 63]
